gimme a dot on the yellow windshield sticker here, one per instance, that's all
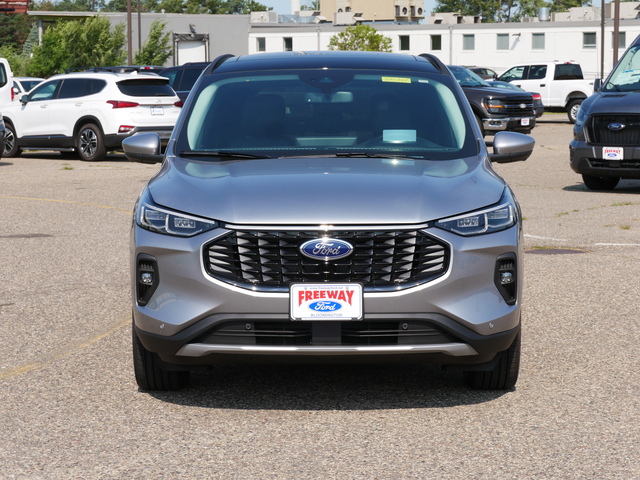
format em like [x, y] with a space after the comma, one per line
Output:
[396, 79]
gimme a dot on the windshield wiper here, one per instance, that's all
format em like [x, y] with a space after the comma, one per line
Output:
[376, 155]
[220, 153]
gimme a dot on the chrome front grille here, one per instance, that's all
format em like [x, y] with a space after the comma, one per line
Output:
[381, 260]
[599, 133]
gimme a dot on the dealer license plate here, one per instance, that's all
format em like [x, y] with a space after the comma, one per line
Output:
[326, 301]
[157, 110]
[612, 153]
[524, 122]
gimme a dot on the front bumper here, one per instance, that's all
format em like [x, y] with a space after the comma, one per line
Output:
[193, 319]
[509, 123]
[588, 160]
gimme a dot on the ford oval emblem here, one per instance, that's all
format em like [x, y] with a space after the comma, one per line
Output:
[523, 105]
[616, 126]
[326, 249]
[325, 306]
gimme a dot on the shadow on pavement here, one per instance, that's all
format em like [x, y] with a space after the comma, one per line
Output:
[327, 387]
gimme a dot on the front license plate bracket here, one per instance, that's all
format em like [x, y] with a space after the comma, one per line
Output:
[326, 301]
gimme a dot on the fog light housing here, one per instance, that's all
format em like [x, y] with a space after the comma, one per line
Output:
[147, 278]
[506, 277]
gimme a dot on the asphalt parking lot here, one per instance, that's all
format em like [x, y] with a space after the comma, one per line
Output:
[70, 406]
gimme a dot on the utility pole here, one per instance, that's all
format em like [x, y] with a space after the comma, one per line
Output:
[616, 32]
[129, 46]
[602, 40]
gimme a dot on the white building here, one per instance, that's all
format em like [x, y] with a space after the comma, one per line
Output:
[493, 45]
[573, 35]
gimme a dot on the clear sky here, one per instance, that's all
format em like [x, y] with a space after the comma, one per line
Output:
[284, 6]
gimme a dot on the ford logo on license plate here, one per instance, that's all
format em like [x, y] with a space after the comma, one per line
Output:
[326, 249]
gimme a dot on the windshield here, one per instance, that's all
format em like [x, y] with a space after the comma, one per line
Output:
[467, 78]
[327, 112]
[626, 75]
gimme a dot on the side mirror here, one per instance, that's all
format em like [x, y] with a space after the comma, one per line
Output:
[24, 99]
[597, 83]
[511, 147]
[143, 148]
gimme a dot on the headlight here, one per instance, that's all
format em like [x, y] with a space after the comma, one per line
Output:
[160, 220]
[581, 117]
[493, 105]
[489, 220]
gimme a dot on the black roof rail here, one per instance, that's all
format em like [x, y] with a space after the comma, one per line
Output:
[435, 61]
[217, 62]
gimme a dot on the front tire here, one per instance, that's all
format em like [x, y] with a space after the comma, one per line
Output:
[149, 375]
[505, 374]
[11, 142]
[572, 109]
[90, 143]
[600, 183]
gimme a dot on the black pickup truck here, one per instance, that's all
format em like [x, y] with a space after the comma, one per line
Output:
[496, 109]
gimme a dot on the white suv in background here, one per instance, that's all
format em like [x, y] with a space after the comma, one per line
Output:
[90, 113]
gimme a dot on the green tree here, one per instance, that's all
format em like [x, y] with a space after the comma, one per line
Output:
[504, 10]
[204, 6]
[315, 5]
[14, 29]
[362, 38]
[78, 44]
[157, 48]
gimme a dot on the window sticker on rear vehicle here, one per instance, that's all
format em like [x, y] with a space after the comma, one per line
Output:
[396, 79]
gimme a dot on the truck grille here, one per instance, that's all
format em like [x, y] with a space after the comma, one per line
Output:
[514, 106]
[381, 260]
[599, 133]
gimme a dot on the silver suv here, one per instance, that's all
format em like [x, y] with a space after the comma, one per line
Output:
[327, 207]
[90, 113]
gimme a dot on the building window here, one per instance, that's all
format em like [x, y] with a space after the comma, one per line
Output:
[468, 42]
[537, 41]
[404, 42]
[436, 42]
[288, 44]
[261, 45]
[589, 40]
[622, 40]
[502, 41]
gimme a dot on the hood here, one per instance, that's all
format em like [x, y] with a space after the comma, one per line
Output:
[614, 102]
[316, 191]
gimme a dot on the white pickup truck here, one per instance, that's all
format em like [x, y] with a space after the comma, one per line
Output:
[561, 85]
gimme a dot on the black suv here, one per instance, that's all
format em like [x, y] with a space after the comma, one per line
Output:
[606, 135]
[496, 109]
[182, 77]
